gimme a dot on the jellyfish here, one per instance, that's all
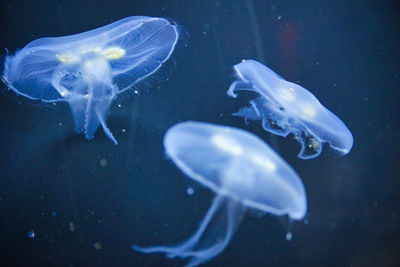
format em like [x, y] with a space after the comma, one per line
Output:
[285, 107]
[243, 171]
[88, 70]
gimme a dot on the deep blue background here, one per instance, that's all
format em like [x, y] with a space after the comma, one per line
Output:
[347, 54]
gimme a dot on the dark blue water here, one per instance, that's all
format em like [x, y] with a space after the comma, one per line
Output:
[88, 202]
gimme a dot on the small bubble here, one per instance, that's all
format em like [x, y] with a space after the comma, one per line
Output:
[136, 91]
[123, 130]
[97, 245]
[119, 105]
[60, 124]
[31, 234]
[103, 162]
[289, 236]
[71, 227]
[190, 191]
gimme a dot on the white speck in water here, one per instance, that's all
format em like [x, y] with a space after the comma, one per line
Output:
[60, 124]
[97, 245]
[31, 234]
[119, 105]
[136, 91]
[71, 227]
[103, 162]
[190, 191]
[123, 130]
[289, 236]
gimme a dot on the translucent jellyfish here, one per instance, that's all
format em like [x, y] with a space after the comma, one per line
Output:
[285, 107]
[88, 70]
[242, 170]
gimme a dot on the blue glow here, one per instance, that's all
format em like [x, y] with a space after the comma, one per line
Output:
[31, 234]
[89, 69]
[242, 170]
[285, 107]
[190, 191]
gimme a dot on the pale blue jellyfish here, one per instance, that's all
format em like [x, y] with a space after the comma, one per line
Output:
[242, 170]
[89, 69]
[285, 107]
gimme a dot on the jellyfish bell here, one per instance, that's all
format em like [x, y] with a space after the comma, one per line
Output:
[285, 107]
[242, 170]
[236, 163]
[88, 70]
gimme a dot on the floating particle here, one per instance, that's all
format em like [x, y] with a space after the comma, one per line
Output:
[97, 245]
[31, 234]
[190, 191]
[289, 236]
[103, 162]
[71, 227]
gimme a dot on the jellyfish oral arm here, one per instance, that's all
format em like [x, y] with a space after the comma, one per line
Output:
[101, 94]
[56, 78]
[89, 91]
[285, 107]
[239, 85]
[202, 245]
[101, 116]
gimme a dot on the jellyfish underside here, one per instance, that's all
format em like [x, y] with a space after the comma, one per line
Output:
[242, 170]
[276, 121]
[88, 70]
[88, 88]
[212, 236]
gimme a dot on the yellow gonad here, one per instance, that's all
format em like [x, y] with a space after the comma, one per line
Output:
[113, 52]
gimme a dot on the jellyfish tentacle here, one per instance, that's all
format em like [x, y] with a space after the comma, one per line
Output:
[199, 253]
[173, 251]
[101, 116]
[311, 147]
[239, 86]
[56, 77]
[235, 212]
